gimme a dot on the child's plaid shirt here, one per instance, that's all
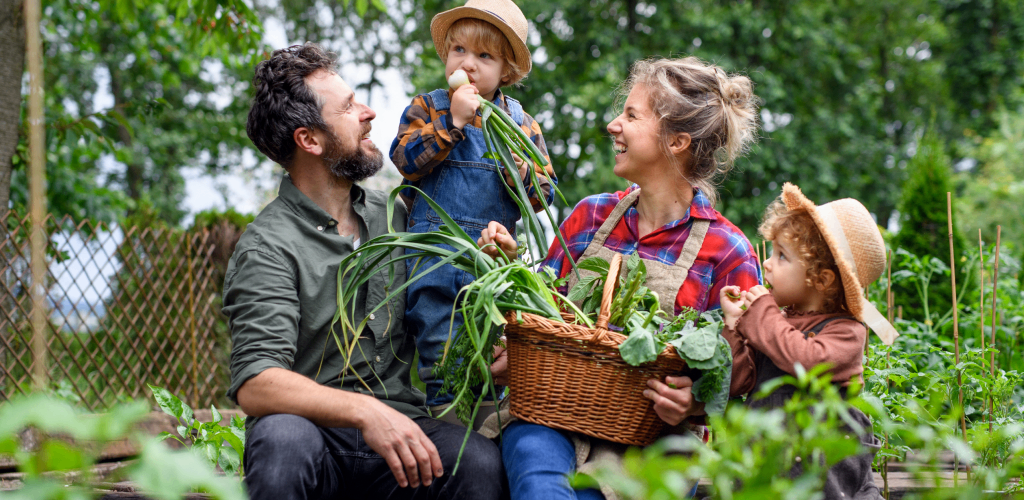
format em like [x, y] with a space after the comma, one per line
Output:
[726, 258]
[426, 135]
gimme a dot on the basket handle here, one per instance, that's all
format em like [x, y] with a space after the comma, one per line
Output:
[606, 296]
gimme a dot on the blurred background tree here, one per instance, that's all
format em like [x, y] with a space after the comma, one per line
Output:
[135, 92]
[846, 90]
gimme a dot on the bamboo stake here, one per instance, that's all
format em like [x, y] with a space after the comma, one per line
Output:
[981, 289]
[37, 190]
[992, 359]
[956, 338]
[888, 363]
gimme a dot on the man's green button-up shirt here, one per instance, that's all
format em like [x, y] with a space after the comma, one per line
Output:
[280, 293]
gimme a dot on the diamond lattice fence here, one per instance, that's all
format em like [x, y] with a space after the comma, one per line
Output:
[126, 306]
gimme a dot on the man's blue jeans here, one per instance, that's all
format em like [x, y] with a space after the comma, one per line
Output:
[538, 460]
[289, 457]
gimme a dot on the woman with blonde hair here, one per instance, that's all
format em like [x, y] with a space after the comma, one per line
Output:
[683, 124]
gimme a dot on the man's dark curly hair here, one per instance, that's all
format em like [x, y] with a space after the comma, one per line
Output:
[283, 102]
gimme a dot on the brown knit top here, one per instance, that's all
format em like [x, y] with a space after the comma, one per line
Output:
[763, 328]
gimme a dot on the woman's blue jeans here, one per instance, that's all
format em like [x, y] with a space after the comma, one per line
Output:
[538, 461]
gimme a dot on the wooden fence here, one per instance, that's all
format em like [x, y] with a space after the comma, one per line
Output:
[127, 307]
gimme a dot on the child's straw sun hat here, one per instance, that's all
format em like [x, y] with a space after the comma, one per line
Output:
[503, 14]
[858, 249]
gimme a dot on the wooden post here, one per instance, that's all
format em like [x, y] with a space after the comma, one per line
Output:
[956, 335]
[192, 320]
[37, 190]
[992, 360]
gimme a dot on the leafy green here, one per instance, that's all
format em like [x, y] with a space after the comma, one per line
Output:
[221, 445]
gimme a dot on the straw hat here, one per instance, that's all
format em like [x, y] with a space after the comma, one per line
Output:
[858, 248]
[503, 14]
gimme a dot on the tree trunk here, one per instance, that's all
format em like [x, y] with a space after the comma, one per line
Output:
[12, 38]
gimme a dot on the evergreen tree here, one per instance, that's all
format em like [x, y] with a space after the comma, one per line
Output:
[924, 227]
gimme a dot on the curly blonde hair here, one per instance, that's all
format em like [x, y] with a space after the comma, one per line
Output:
[717, 110]
[798, 226]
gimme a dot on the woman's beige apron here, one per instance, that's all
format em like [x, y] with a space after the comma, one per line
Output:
[663, 279]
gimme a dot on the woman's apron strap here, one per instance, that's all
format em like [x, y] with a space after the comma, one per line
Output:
[612, 221]
[665, 280]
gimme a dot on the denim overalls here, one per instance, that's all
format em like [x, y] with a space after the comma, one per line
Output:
[470, 189]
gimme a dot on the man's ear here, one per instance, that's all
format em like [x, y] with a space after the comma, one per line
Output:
[308, 141]
[679, 143]
[825, 280]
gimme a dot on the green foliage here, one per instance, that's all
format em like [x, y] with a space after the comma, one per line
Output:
[987, 59]
[753, 450]
[162, 63]
[924, 223]
[159, 472]
[222, 446]
[993, 190]
[209, 219]
[843, 93]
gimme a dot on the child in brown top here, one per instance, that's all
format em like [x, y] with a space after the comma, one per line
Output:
[822, 257]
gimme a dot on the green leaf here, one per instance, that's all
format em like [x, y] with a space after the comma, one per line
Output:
[216, 414]
[697, 344]
[168, 402]
[582, 289]
[491, 155]
[594, 264]
[639, 347]
[164, 474]
[379, 4]
[61, 456]
[361, 6]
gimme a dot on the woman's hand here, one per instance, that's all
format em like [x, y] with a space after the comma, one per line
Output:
[751, 295]
[731, 299]
[673, 404]
[496, 234]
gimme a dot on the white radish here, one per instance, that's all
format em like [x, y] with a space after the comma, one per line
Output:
[458, 79]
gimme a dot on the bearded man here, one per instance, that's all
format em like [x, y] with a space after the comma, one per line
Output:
[322, 425]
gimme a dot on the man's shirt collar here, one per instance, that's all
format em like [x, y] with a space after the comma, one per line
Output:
[304, 207]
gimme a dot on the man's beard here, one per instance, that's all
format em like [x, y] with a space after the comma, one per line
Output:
[355, 166]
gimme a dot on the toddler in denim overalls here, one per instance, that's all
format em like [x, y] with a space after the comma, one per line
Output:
[440, 149]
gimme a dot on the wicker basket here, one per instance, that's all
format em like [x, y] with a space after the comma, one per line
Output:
[571, 377]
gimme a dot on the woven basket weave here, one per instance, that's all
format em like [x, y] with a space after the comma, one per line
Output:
[572, 377]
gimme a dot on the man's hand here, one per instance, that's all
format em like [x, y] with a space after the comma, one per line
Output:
[464, 105]
[731, 299]
[497, 234]
[751, 295]
[412, 457]
[499, 369]
[673, 400]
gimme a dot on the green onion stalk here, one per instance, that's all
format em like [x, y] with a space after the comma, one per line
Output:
[501, 285]
[503, 137]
